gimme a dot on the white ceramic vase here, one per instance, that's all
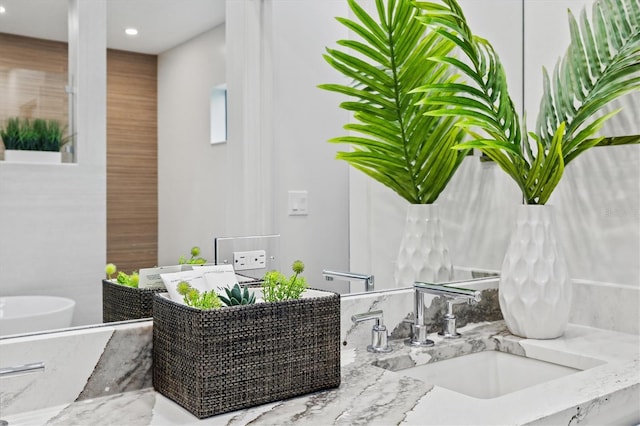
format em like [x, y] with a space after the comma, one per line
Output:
[535, 288]
[423, 255]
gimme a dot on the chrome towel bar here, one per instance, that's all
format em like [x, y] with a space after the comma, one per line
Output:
[33, 367]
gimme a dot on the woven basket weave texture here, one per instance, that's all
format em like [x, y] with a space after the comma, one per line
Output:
[215, 361]
[122, 303]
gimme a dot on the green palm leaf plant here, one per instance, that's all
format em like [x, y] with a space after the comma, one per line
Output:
[392, 139]
[601, 64]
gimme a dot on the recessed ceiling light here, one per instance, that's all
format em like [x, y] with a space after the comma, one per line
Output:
[2, 9]
[131, 31]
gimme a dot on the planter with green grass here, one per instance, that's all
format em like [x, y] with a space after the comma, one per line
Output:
[32, 140]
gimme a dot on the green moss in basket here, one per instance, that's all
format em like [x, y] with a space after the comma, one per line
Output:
[122, 278]
[194, 259]
[195, 299]
[238, 296]
[277, 286]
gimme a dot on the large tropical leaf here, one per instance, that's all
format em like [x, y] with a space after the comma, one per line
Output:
[484, 103]
[601, 64]
[392, 140]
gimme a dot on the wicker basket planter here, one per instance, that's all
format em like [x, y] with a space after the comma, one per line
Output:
[215, 361]
[121, 303]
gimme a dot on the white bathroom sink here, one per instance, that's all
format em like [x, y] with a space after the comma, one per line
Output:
[487, 374]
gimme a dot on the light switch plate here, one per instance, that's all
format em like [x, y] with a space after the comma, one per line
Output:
[298, 203]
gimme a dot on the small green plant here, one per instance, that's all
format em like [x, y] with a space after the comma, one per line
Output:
[194, 260]
[277, 286]
[195, 299]
[33, 135]
[10, 134]
[110, 269]
[129, 280]
[238, 296]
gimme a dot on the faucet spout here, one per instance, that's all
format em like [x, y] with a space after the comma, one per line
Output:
[449, 292]
[368, 279]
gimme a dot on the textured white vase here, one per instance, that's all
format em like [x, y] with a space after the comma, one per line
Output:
[535, 288]
[423, 255]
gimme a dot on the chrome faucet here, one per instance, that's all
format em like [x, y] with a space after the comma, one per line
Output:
[347, 276]
[378, 332]
[452, 296]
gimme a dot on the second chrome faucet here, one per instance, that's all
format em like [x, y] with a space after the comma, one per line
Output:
[368, 279]
[452, 295]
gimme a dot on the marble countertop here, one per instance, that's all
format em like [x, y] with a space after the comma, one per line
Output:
[371, 395]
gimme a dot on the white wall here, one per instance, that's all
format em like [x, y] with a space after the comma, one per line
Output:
[53, 217]
[276, 141]
[304, 118]
[192, 173]
[279, 126]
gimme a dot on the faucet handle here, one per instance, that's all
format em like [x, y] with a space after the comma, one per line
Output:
[379, 342]
[449, 320]
[449, 330]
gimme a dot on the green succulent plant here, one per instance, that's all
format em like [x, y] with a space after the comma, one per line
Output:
[276, 286]
[194, 298]
[238, 296]
[601, 64]
[393, 141]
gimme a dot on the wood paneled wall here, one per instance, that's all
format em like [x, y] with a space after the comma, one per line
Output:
[132, 160]
[33, 53]
[33, 76]
[132, 181]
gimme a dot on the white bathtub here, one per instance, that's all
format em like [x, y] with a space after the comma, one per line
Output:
[25, 314]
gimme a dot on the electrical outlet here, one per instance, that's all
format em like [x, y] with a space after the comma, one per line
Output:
[243, 260]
